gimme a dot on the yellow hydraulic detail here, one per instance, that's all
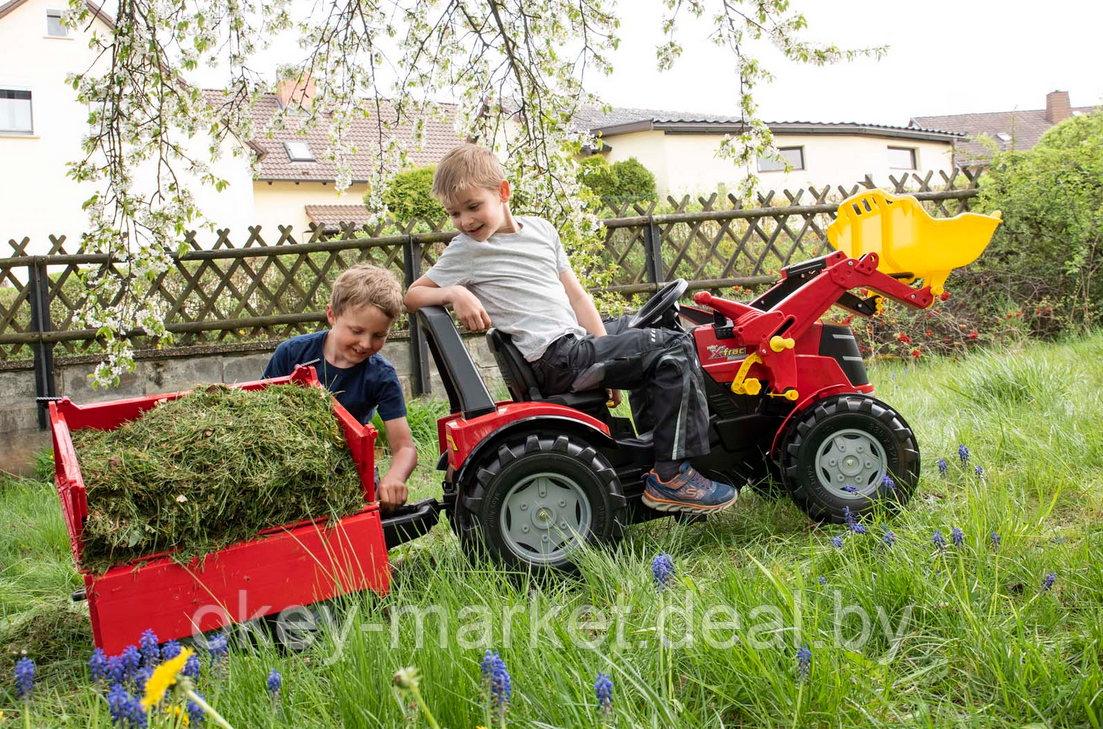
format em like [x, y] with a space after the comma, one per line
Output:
[907, 238]
[780, 344]
[791, 394]
[741, 385]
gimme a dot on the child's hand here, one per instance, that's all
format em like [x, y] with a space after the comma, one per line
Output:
[470, 310]
[392, 493]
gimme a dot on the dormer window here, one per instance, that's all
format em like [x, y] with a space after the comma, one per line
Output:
[54, 27]
[298, 151]
[1003, 137]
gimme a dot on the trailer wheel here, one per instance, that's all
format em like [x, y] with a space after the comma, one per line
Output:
[300, 626]
[839, 452]
[536, 498]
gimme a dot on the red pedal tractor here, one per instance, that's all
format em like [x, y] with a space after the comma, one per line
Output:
[529, 479]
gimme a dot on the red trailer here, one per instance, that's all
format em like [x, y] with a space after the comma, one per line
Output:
[284, 566]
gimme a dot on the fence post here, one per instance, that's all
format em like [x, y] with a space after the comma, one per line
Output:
[419, 348]
[653, 246]
[40, 323]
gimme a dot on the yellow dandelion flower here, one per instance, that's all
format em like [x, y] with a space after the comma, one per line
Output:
[178, 713]
[164, 676]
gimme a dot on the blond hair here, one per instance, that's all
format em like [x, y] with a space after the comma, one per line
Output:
[363, 285]
[468, 165]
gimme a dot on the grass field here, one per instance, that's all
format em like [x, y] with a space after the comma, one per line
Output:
[900, 634]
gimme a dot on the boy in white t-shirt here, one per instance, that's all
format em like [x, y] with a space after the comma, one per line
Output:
[513, 274]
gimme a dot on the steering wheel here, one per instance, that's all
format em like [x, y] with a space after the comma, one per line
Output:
[651, 313]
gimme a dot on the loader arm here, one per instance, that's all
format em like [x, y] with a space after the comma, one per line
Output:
[770, 334]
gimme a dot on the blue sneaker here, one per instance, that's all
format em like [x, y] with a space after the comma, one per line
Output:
[688, 491]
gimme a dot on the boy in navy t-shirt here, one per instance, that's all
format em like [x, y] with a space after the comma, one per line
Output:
[362, 307]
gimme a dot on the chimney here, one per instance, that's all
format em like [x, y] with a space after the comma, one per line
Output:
[1057, 106]
[296, 91]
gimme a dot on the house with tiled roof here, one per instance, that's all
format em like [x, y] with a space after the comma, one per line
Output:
[294, 183]
[42, 125]
[1001, 130]
[680, 149]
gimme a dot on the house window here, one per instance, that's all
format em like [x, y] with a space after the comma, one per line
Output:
[54, 27]
[903, 158]
[15, 111]
[298, 151]
[793, 155]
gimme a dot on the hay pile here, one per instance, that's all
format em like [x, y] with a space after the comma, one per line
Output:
[211, 469]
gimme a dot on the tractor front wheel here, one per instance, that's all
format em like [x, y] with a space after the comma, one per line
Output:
[850, 451]
[537, 498]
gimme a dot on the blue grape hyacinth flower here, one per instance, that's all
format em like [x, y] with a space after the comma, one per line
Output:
[662, 569]
[274, 682]
[943, 467]
[217, 646]
[497, 681]
[603, 687]
[170, 650]
[939, 540]
[150, 648]
[963, 453]
[804, 663]
[958, 537]
[1048, 581]
[191, 667]
[24, 679]
[132, 661]
[97, 665]
[195, 712]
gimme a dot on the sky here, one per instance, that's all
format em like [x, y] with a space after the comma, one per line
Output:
[944, 58]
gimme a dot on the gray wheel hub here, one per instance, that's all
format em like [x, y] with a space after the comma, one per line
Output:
[851, 457]
[544, 516]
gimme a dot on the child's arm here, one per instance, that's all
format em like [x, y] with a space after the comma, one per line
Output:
[425, 292]
[586, 313]
[392, 487]
[584, 309]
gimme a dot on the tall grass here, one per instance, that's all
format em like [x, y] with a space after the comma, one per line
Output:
[964, 635]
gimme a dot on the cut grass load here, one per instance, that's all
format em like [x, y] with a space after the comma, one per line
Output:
[210, 469]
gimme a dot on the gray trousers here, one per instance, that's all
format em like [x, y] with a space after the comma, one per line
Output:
[658, 366]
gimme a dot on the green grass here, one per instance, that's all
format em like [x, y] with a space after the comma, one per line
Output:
[973, 638]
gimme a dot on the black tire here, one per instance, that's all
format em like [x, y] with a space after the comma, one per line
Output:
[842, 420]
[511, 476]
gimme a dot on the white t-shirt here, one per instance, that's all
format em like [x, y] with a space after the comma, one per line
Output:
[516, 277]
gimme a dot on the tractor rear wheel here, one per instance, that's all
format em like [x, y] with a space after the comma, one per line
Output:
[850, 451]
[536, 498]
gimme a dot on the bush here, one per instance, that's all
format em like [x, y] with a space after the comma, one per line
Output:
[620, 182]
[409, 196]
[1048, 251]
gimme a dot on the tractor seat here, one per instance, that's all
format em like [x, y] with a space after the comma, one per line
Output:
[521, 380]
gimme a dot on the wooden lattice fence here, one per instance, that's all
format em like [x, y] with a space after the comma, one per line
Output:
[269, 289]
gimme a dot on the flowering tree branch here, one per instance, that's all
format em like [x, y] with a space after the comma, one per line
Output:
[518, 71]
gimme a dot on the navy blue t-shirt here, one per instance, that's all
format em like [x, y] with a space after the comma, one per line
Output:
[360, 389]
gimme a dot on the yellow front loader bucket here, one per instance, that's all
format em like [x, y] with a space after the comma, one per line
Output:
[907, 238]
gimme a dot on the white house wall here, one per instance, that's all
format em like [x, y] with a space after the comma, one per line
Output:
[284, 203]
[687, 163]
[37, 199]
